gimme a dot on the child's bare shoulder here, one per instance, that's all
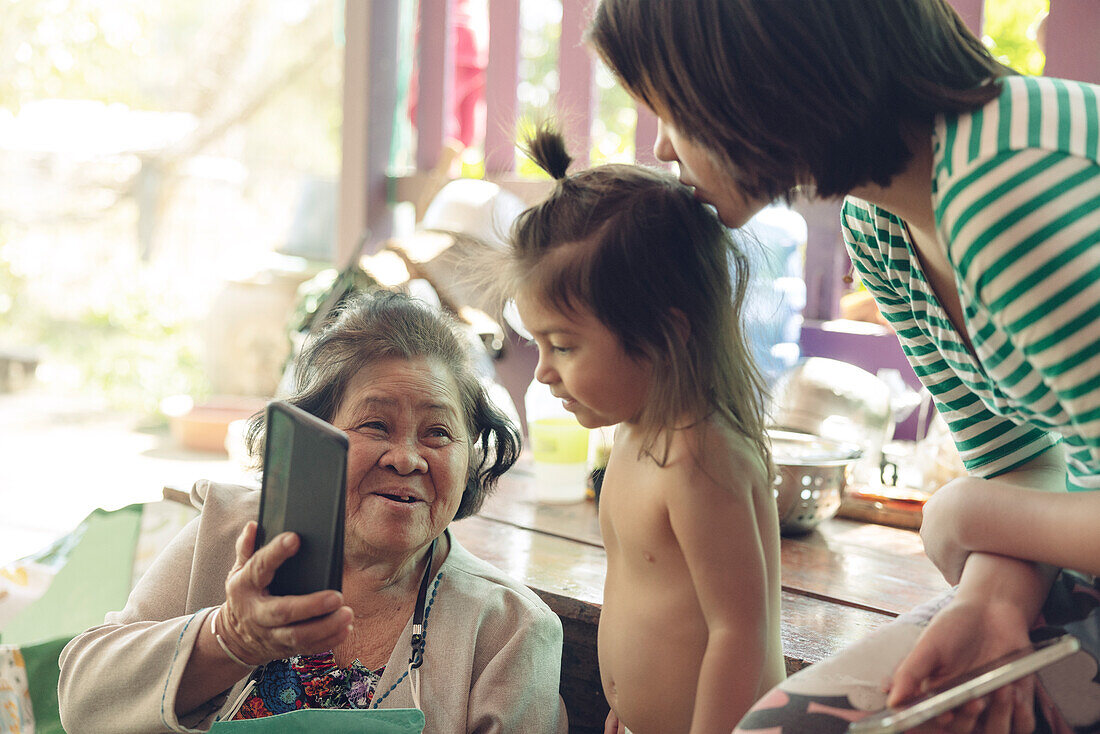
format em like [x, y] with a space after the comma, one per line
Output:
[714, 452]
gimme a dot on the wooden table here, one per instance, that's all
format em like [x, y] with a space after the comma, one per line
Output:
[840, 581]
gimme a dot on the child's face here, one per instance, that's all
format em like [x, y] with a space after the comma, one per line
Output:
[710, 182]
[584, 364]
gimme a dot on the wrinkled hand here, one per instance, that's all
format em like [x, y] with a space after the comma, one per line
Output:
[939, 534]
[962, 636]
[612, 725]
[259, 627]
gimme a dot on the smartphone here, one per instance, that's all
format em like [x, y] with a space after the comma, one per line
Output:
[973, 684]
[304, 479]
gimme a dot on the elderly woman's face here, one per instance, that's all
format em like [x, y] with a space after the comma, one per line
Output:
[408, 454]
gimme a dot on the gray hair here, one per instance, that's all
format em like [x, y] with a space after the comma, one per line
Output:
[380, 325]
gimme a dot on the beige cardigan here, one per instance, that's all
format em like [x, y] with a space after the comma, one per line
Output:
[492, 660]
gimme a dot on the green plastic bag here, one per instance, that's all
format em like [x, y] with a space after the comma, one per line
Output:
[329, 721]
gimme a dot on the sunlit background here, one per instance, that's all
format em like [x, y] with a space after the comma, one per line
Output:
[168, 178]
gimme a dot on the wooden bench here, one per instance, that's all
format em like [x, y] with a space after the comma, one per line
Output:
[840, 582]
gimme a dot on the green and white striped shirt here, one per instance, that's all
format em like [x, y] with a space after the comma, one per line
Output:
[1016, 194]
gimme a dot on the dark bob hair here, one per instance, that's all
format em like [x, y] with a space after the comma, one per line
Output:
[789, 93]
[381, 325]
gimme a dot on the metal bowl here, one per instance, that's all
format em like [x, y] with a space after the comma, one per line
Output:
[811, 473]
[830, 398]
[836, 401]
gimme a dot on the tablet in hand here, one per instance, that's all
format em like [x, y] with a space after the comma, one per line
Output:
[973, 684]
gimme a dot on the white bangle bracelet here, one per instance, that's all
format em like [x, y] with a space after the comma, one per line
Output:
[221, 642]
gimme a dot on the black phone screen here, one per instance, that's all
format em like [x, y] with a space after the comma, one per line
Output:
[304, 479]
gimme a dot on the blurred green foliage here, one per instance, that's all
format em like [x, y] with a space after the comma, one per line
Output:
[263, 83]
[196, 56]
[133, 352]
[11, 285]
[1010, 31]
[68, 48]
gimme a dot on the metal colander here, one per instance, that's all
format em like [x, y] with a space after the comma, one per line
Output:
[811, 473]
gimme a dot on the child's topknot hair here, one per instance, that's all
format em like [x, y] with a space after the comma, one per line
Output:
[546, 147]
[632, 246]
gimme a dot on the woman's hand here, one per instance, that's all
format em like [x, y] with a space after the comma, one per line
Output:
[964, 635]
[258, 627]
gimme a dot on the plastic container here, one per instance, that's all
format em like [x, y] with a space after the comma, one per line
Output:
[559, 446]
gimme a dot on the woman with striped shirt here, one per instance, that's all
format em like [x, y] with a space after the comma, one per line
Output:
[972, 215]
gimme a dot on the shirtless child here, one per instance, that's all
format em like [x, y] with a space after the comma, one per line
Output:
[623, 279]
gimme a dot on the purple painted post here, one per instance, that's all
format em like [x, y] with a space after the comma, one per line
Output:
[370, 66]
[1073, 40]
[971, 13]
[645, 135]
[435, 70]
[826, 259]
[501, 82]
[575, 83]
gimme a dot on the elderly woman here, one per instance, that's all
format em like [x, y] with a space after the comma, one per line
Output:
[201, 640]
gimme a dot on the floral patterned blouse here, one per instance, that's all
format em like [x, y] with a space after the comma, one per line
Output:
[310, 682]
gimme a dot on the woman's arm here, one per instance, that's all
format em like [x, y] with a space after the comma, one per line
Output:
[517, 689]
[998, 597]
[1002, 516]
[135, 673]
[715, 520]
[256, 627]
[974, 515]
